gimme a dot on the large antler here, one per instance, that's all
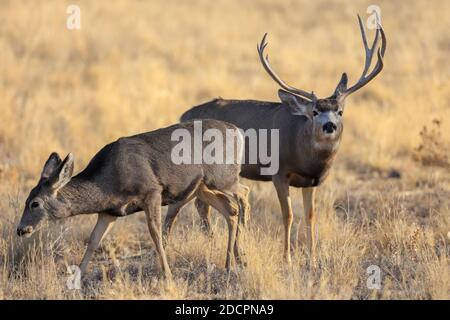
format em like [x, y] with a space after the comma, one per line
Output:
[363, 80]
[266, 65]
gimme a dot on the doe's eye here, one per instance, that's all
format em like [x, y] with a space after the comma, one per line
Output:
[340, 113]
[34, 204]
[315, 113]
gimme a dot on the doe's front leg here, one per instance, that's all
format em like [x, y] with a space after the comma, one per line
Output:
[153, 215]
[102, 227]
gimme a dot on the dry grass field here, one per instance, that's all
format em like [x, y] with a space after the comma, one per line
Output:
[138, 65]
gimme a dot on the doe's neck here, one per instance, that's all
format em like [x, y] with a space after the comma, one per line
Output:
[82, 197]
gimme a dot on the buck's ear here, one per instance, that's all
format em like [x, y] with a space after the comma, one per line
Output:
[62, 175]
[341, 87]
[50, 165]
[298, 105]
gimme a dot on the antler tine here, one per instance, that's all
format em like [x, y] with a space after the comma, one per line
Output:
[363, 80]
[369, 52]
[383, 40]
[265, 62]
[363, 32]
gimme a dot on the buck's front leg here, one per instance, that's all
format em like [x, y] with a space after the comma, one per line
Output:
[104, 224]
[281, 184]
[308, 205]
[153, 214]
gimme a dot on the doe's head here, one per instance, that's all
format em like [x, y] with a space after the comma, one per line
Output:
[42, 202]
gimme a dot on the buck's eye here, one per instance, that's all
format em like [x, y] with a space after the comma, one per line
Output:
[34, 204]
[315, 113]
[340, 113]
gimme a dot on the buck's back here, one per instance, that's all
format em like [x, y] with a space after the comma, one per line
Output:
[244, 114]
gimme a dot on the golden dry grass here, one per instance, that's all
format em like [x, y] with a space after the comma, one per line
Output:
[136, 66]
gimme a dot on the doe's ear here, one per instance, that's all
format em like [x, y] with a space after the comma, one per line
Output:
[50, 165]
[298, 105]
[341, 87]
[63, 174]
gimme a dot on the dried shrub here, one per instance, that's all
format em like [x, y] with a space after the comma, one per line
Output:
[432, 151]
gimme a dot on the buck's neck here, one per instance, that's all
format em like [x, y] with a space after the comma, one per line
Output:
[82, 196]
[314, 157]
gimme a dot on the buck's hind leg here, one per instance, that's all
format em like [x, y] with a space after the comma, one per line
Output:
[308, 205]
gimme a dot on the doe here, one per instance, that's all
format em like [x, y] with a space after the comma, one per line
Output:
[136, 174]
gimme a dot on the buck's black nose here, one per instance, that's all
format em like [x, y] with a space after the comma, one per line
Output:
[20, 232]
[329, 127]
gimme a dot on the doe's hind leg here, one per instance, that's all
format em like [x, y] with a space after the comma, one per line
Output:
[241, 195]
[244, 206]
[229, 208]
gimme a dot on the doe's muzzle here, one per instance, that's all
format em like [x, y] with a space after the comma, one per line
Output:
[24, 231]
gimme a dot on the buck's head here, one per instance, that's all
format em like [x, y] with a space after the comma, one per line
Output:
[42, 202]
[326, 114]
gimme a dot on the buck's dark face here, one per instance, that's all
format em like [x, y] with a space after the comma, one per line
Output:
[325, 114]
[42, 202]
[327, 120]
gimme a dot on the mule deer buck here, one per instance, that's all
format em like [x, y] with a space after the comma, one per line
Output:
[310, 131]
[135, 174]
